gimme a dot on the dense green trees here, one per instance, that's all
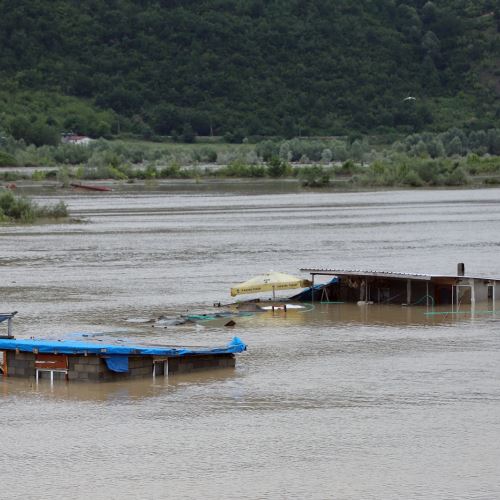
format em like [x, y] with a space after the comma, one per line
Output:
[247, 67]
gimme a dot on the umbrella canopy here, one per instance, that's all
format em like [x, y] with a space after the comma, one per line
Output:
[269, 282]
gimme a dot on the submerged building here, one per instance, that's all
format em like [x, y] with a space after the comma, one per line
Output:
[97, 362]
[383, 287]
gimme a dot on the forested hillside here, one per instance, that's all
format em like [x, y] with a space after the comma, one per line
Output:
[248, 67]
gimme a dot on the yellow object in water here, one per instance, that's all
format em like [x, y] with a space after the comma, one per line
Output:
[269, 282]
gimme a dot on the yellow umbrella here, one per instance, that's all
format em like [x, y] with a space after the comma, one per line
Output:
[268, 282]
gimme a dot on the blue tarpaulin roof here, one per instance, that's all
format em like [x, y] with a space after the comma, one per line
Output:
[78, 347]
[306, 295]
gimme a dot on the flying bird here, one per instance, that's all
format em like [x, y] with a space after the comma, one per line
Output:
[410, 98]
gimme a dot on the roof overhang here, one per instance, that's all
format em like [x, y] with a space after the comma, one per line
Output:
[367, 274]
[395, 275]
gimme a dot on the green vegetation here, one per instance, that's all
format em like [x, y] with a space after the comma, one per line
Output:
[452, 158]
[18, 209]
[38, 117]
[315, 176]
[245, 69]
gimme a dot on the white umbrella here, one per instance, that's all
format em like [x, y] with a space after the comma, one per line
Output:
[268, 282]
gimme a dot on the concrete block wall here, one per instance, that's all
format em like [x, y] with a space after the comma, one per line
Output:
[140, 367]
[188, 364]
[20, 364]
[93, 368]
[86, 368]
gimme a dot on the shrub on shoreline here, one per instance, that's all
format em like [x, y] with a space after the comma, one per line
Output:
[315, 176]
[19, 209]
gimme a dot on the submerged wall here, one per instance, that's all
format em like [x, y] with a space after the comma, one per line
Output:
[388, 290]
[94, 368]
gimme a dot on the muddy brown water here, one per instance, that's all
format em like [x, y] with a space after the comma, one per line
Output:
[335, 401]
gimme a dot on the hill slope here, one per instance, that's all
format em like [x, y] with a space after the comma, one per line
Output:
[269, 67]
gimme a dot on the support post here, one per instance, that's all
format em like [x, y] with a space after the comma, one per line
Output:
[165, 368]
[408, 292]
[312, 287]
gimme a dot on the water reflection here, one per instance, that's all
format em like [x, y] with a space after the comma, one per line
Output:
[116, 391]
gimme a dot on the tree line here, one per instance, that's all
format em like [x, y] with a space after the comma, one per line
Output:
[246, 68]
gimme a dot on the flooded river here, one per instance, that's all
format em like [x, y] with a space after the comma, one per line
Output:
[335, 401]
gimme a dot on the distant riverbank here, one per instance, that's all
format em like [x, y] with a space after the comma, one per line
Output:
[452, 158]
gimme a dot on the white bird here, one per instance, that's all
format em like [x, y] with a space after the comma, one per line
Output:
[410, 98]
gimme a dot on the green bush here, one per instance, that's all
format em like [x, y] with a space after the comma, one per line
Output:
[16, 208]
[38, 175]
[72, 154]
[457, 178]
[411, 178]
[151, 172]
[428, 171]
[277, 168]
[347, 168]
[13, 176]
[315, 176]
[492, 181]
[57, 211]
[63, 176]
[19, 209]
[172, 171]
[6, 159]
[240, 169]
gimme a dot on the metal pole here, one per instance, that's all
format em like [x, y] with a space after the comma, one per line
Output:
[312, 287]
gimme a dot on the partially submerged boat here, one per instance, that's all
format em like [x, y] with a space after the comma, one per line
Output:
[90, 187]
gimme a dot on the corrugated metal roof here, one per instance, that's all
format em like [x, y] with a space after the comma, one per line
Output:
[390, 274]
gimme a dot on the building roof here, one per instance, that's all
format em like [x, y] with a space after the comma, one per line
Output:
[51, 346]
[75, 139]
[390, 274]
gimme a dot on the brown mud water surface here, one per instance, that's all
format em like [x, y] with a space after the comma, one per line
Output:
[330, 401]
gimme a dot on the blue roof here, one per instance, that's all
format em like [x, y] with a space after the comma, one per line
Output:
[44, 346]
